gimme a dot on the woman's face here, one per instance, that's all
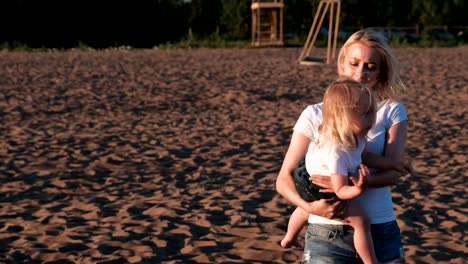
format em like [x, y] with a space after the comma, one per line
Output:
[362, 64]
[363, 115]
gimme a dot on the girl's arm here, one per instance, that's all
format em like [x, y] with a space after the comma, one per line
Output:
[285, 181]
[394, 150]
[343, 190]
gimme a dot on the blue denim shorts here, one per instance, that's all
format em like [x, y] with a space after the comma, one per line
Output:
[329, 244]
[387, 241]
[334, 243]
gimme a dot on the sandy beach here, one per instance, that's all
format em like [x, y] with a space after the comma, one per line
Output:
[171, 156]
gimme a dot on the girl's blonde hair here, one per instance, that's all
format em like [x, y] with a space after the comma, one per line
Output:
[389, 83]
[339, 103]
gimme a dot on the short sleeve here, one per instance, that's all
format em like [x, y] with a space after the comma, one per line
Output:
[389, 113]
[309, 121]
[338, 164]
[397, 114]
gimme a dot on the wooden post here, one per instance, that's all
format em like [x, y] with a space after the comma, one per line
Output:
[330, 30]
[254, 24]
[337, 22]
[324, 7]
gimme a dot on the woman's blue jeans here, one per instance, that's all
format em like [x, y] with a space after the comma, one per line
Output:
[329, 244]
[334, 243]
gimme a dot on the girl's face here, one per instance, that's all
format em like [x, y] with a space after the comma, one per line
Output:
[363, 116]
[362, 64]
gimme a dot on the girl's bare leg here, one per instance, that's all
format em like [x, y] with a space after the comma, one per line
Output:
[362, 234]
[297, 221]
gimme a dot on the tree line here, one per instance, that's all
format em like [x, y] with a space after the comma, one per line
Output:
[148, 23]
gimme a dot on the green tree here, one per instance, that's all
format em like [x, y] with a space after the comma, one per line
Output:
[235, 19]
[298, 16]
[204, 16]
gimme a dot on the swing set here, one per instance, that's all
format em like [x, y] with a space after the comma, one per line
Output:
[267, 27]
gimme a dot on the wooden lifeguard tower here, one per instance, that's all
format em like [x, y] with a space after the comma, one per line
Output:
[334, 18]
[267, 22]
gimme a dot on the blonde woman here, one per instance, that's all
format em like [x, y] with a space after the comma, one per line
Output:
[349, 111]
[367, 59]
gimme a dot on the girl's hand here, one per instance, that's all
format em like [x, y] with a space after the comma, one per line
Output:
[361, 183]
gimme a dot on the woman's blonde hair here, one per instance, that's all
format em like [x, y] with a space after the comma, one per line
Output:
[339, 103]
[389, 83]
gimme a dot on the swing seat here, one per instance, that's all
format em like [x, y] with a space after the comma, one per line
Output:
[309, 60]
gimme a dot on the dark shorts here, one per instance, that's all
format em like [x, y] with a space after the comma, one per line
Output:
[307, 190]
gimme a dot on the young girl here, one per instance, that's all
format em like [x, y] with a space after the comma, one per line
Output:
[349, 111]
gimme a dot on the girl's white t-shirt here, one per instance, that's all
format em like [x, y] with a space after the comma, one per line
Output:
[376, 202]
[326, 160]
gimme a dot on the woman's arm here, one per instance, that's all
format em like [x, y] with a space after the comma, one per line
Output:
[383, 163]
[394, 150]
[285, 181]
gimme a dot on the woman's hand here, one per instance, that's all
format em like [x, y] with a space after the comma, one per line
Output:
[332, 208]
[404, 168]
[322, 181]
[408, 169]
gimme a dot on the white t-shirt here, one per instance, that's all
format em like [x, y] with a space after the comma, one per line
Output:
[376, 202]
[327, 160]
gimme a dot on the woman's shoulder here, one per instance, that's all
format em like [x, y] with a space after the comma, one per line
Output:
[310, 120]
[314, 109]
[391, 104]
[391, 112]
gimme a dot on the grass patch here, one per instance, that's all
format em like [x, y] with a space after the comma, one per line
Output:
[217, 41]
